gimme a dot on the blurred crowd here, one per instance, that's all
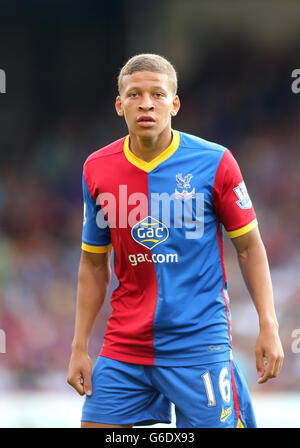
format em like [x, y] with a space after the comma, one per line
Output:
[254, 113]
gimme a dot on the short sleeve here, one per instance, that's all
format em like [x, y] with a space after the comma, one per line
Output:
[231, 200]
[95, 237]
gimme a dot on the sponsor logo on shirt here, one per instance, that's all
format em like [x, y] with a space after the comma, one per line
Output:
[152, 258]
[149, 232]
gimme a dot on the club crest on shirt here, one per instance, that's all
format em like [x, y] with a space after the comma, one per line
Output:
[241, 192]
[183, 184]
[149, 232]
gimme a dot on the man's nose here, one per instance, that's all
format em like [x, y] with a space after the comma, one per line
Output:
[146, 103]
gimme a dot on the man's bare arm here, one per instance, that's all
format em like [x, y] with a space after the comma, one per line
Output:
[255, 269]
[93, 281]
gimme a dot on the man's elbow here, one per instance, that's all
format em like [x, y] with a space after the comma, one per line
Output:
[249, 243]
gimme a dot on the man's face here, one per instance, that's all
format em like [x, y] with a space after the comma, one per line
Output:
[147, 103]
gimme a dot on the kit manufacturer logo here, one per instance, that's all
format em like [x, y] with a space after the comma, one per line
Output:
[225, 414]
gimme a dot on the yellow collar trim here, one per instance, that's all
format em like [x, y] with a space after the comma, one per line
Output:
[149, 166]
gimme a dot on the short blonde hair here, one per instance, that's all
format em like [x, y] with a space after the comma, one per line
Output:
[152, 63]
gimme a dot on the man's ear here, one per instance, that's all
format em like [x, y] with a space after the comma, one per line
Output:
[119, 107]
[176, 106]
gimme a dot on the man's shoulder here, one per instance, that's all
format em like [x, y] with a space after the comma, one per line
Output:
[190, 141]
[111, 149]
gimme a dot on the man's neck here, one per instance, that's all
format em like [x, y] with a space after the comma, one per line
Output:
[148, 149]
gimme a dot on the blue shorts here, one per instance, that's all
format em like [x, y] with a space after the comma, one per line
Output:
[205, 396]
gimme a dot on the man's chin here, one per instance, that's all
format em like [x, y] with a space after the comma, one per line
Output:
[148, 132]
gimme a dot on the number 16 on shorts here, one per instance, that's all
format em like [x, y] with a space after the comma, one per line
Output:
[224, 387]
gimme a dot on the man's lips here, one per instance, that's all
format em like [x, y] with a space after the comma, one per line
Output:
[145, 121]
[145, 118]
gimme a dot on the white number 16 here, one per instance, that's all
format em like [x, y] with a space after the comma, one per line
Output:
[224, 386]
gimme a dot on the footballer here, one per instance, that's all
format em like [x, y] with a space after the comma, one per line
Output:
[159, 200]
